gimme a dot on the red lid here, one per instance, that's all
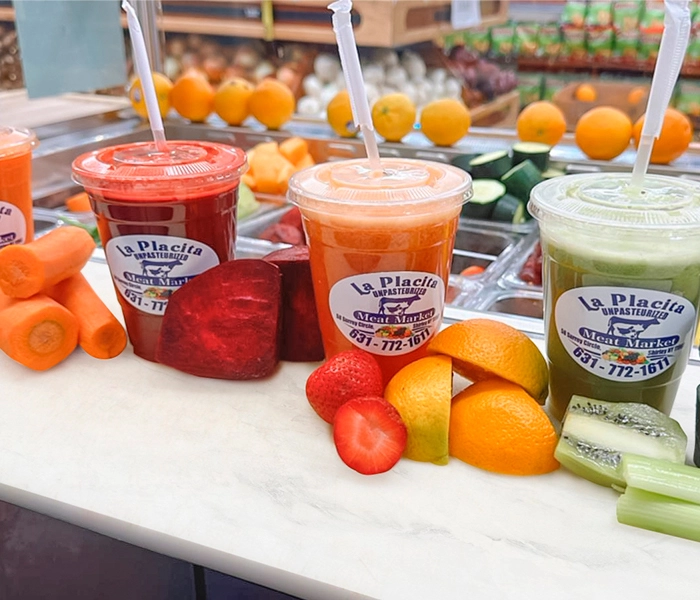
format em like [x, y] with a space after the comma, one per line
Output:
[141, 169]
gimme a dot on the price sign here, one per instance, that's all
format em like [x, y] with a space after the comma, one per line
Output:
[465, 13]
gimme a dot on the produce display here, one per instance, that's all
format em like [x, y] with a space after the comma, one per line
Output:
[270, 165]
[503, 181]
[11, 76]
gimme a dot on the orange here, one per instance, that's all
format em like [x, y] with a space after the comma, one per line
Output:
[603, 133]
[272, 103]
[192, 97]
[541, 122]
[339, 115]
[496, 426]
[636, 95]
[422, 392]
[586, 93]
[484, 349]
[445, 122]
[231, 100]
[676, 135]
[393, 116]
[162, 84]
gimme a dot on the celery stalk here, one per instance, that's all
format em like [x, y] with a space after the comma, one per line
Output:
[662, 477]
[659, 513]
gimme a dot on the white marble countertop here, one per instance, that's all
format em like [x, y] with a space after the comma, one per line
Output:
[243, 477]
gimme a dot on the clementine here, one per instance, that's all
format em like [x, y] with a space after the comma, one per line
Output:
[541, 122]
[603, 133]
[272, 103]
[586, 93]
[676, 135]
[484, 349]
[496, 426]
[192, 97]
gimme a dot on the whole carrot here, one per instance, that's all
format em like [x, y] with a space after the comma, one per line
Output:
[26, 269]
[101, 334]
[37, 332]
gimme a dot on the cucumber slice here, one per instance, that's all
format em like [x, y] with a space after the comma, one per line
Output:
[520, 180]
[595, 434]
[552, 173]
[537, 153]
[509, 210]
[487, 192]
[492, 165]
[462, 161]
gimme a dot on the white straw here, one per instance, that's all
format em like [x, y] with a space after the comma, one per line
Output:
[143, 70]
[349, 58]
[674, 42]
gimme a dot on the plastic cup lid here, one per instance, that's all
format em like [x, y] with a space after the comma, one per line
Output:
[133, 168]
[607, 200]
[401, 182]
[16, 140]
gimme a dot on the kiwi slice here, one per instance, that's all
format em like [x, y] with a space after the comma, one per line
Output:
[595, 434]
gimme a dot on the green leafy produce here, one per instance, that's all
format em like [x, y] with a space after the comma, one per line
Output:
[91, 229]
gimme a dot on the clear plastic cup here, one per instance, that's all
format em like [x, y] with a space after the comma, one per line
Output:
[16, 222]
[380, 246]
[163, 218]
[621, 273]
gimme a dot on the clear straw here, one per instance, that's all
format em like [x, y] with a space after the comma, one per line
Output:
[349, 58]
[674, 42]
[143, 70]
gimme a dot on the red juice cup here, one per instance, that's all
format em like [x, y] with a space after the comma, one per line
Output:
[163, 218]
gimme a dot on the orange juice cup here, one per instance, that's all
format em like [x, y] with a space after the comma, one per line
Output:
[16, 222]
[380, 246]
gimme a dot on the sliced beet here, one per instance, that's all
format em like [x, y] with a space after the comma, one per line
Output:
[301, 336]
[283, 233]
[225, 323]
[292, 217]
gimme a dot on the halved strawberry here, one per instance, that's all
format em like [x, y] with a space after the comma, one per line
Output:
[369, 435]
[344, 376]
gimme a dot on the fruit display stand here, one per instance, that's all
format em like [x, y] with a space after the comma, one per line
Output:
[241, 477]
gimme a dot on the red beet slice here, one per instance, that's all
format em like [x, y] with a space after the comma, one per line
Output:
[301, 336]
[283, 233]
[225, 323]
[293, 217]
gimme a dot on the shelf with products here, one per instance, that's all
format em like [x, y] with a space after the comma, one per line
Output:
[380, 23]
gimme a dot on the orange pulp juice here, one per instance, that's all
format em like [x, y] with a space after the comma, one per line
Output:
[380, 248]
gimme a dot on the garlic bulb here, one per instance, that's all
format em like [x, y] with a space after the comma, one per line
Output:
[308, 106]
[312, 86]
[326, 67]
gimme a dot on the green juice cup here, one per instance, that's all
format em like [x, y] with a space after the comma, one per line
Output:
[621, 273]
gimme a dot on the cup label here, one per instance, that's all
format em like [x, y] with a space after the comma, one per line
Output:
[623, 334]
[13, 225]
[388, 313]
[147, 269]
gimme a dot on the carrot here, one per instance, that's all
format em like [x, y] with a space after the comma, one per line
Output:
[29, 268]
[79, 203]
[101, 335]
[37, 332]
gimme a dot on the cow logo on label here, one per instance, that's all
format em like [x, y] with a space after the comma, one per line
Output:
[13, 225]
[388, 313]
[624, 334]
[147, 269]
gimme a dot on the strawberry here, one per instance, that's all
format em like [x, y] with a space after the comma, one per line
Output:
[369, 435]
[345, 376]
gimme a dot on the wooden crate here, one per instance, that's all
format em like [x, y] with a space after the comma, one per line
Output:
[382, 23]
[500, 112]
[609, 93]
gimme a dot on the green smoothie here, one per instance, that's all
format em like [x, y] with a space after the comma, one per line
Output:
[621, 272]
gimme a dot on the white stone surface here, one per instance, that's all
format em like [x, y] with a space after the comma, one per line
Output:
[243, 477]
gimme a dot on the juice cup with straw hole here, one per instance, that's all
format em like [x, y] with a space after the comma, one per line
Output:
[16, 222]
[380, 247]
